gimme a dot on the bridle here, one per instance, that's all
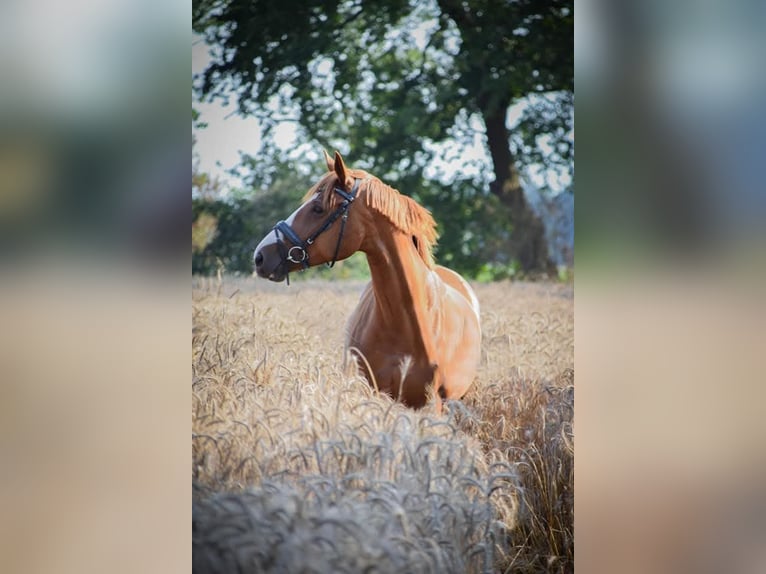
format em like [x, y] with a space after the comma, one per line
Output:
[298, 253]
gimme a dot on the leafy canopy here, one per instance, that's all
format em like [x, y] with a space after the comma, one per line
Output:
[387, 78]
[388, 81]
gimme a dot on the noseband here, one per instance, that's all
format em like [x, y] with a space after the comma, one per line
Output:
[298, 253]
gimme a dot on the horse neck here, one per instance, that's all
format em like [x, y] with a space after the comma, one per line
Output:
[400, 280]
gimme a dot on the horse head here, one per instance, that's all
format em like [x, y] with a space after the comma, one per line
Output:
[329, 226]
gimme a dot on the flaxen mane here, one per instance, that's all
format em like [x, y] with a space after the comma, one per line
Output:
[401, 211]
[405, 214]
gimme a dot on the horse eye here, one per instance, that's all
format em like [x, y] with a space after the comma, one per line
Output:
[317, 208]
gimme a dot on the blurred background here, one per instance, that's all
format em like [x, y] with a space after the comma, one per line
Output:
[92, 143]
[670, 464]
[94, 208]
[465, 106]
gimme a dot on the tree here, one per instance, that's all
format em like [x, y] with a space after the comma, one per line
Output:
[226, 227]
[392, 78]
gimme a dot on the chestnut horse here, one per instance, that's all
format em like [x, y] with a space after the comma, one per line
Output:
[415, 333]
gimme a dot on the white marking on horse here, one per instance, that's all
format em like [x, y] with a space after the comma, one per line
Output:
[474, 300]
[271, 237]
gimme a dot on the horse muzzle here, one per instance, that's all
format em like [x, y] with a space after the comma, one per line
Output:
[269, 265]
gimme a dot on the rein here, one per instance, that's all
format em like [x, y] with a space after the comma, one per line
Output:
[298, 253]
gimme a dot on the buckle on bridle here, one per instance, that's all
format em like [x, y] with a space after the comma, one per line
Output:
[301, 251]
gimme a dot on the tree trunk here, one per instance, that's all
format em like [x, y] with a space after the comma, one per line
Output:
[528, 244]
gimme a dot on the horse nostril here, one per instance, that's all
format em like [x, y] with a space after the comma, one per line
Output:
[258, 259]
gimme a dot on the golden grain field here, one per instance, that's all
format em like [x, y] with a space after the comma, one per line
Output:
[300, 467]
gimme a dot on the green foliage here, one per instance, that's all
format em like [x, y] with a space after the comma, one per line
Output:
[230, 248]
[549, 117]
[498, 271]
[226, 232]
[355, 268]
[386, 80]
[472, 230]
[355, 74]
[228, 224]
[473, 233]
[242, 220]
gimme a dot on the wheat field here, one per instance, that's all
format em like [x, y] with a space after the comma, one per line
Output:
[298, 466]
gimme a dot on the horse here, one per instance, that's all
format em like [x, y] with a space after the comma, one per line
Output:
[415, 333]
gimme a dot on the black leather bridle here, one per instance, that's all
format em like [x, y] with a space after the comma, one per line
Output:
[298, 253]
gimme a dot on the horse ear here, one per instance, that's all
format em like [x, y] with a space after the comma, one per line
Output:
[328, 160]
[340, 168]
